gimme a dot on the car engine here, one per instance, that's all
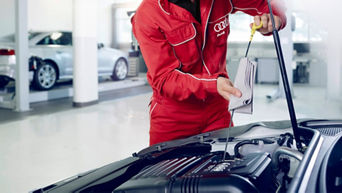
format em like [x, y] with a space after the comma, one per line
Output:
[200, 168]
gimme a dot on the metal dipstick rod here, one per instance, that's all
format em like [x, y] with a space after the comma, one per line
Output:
[254, 28]
[227, 139]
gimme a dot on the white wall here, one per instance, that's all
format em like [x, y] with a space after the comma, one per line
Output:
[49, 15]
[7, 20]
[43, 15]
[57, 15]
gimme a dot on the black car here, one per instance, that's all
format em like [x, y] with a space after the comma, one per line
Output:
[262, 164]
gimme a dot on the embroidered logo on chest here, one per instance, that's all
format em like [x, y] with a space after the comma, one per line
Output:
[221, 25]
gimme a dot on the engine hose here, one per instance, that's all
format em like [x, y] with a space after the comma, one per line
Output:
[285, 151]
[241, 143]
[252, 142]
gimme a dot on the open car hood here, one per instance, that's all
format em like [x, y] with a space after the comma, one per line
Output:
[196, 164]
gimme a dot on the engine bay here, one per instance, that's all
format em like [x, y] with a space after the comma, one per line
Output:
[261, 157]
[253, 165]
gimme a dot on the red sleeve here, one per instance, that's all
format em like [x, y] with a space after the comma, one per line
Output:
[259, 7]
[163, 73]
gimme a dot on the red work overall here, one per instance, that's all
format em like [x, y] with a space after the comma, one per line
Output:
[184, 59]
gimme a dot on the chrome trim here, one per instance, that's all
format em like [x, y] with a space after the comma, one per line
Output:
[311, 164]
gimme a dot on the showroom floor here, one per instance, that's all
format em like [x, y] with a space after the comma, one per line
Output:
[56, 141]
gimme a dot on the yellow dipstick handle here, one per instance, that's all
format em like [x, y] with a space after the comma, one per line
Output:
[254, 28]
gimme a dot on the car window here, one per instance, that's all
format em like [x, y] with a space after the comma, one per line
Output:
[57, 38]
[66, 39]
[33, 34]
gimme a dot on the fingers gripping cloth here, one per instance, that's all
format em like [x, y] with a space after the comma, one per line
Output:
[244, 81]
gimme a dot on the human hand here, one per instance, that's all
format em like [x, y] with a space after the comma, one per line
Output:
[267, 23]
[225, 88]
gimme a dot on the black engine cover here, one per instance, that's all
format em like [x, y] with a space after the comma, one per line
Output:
[201, 174]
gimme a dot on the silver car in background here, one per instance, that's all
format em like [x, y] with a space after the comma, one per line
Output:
[51, 59]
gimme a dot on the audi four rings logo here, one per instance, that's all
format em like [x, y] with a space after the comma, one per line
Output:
[222, 25]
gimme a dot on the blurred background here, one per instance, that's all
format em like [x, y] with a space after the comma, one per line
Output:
[74, 94]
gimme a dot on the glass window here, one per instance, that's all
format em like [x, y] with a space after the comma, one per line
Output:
[239, 27]
[66, 39]
[240, 30]
[307, 30]
[301, 33]
[57, 38]
[123, 26]
[33, 34]
[45, 41]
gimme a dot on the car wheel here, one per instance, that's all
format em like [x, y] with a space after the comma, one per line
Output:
[45, 76]
[120, 70]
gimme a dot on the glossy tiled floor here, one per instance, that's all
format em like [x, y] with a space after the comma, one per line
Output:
[43, 148]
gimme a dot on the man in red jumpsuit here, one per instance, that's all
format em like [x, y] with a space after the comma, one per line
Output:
[184, 44]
